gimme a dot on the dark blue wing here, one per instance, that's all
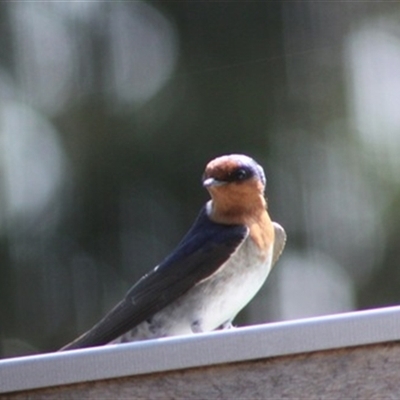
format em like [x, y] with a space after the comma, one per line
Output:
[201, 252]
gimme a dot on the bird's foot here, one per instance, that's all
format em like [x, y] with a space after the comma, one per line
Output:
[227, 325]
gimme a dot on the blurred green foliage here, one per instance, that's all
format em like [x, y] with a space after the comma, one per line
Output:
[110, 111]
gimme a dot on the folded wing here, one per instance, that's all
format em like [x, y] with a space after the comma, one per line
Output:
[200, 254]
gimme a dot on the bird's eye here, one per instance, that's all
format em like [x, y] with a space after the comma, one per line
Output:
[241, 174]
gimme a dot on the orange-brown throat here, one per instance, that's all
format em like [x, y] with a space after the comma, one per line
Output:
[237, 204]
[250, 211]
[236, 184]
[263, 234]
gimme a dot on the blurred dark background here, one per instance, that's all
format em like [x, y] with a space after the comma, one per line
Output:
[109, 112]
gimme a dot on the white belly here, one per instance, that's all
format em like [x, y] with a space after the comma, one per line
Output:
[214, 301]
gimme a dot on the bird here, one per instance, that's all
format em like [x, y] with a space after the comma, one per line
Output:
[213, 273]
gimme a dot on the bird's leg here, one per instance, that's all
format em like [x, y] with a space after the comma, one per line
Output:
[227, 325]
[196, 326]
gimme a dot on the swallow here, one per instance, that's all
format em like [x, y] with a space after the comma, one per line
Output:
[214, 272]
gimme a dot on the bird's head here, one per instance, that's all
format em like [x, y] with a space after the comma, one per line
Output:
[236, 184]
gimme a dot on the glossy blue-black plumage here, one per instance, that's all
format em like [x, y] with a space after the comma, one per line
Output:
[202, 251]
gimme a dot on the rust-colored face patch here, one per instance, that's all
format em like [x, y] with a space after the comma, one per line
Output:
[236, 184]
[221, 168]
[234, 168]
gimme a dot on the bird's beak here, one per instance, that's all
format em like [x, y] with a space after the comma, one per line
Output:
[212, 182]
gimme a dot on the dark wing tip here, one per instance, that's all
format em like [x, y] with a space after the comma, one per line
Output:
[201, 252]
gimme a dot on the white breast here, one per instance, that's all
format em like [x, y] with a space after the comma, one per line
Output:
[232, 288]
[214, 301]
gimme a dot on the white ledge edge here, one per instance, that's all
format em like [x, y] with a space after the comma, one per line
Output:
[240, 344]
